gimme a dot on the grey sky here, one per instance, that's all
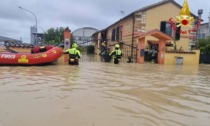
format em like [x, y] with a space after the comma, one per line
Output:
[15, 23]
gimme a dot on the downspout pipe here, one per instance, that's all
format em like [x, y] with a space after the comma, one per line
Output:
[133, 17]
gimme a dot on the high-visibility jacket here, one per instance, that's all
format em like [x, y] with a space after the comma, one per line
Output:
[73, 53]
[116, 53]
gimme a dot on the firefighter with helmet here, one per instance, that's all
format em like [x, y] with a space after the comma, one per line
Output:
[74, 54]
[116, 54]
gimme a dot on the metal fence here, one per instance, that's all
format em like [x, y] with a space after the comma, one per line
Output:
[205, 58]
[88, 58]
[98, 58]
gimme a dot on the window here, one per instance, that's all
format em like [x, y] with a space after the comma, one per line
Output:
[113, 35]
[203, 35]
[168, 29]
[199, 36]
[165, 27]
[143, 19]
[117, 34]
[104, 36]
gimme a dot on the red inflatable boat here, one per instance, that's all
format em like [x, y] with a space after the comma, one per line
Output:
[30, 59]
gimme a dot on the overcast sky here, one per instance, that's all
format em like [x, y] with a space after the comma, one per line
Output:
[99, 14]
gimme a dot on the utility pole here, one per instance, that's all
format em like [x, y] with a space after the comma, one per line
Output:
[200, 12]
[133, 16]
[36, 42]
[122, 13]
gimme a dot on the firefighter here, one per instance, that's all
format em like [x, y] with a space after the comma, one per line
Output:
[116, 54]
[74, 54]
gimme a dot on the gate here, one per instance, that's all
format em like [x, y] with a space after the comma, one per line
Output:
[127, 54]
[205, 58]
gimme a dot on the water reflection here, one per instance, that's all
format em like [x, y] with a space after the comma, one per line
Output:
[105, 94]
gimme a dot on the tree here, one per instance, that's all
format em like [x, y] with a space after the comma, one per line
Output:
[203, 45]
[54, 36]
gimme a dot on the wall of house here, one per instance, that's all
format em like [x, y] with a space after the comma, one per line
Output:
[152, 19]
[127, 30]
[204, 31]
[163, 13]
[97, 43]
[188, 59]
[98, 46]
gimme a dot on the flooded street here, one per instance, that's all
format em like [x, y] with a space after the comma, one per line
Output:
[105, 94]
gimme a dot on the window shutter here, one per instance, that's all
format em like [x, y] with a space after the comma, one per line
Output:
[113, 35]
[163, 26]
[177, 35]
[117, 34]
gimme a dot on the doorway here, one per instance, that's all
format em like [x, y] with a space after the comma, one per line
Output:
[151, 55]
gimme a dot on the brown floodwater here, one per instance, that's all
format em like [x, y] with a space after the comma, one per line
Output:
[105, 94]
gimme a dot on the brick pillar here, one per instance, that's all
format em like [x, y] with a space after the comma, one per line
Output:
[141, 45]
[67, 38]
[67, 43]
[161, 51]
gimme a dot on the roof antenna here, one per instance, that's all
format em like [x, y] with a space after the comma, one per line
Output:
[122, 13]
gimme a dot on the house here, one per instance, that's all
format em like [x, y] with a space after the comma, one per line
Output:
[158, 16]
[3, 38]
[83, 35]
[12, 46]
[204, 30]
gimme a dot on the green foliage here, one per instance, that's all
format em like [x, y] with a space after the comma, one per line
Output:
[203, 45]
[90, 49]
[54, 36]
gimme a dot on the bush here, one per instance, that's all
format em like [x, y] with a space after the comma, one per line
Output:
[203, 45]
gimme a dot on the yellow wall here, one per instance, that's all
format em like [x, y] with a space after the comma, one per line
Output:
[188, 59]
[163, 13]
